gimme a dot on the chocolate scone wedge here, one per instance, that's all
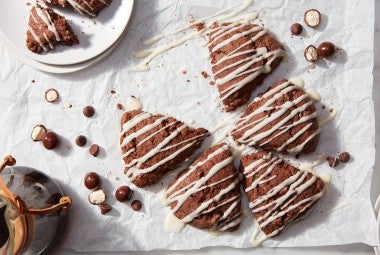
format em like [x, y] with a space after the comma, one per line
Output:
[278, 193]
[47, 29]
[283, 119]
[242, 55]
[90, 8]
[153, 144]
[207, 194]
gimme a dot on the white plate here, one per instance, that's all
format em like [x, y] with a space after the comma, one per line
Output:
[95, 35]
[57, 68]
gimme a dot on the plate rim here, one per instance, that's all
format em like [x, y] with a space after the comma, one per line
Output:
[58, 69]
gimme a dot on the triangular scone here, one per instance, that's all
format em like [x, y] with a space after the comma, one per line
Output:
[207, 194]
[242, 55]
[283, 119]
[90, 8]
[153, 144]
[47, 29]
[278, 193]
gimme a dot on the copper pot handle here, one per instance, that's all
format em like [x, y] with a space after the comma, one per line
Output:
[64, 202]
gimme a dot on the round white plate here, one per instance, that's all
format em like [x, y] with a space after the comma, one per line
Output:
[95, 35]
[57, 68]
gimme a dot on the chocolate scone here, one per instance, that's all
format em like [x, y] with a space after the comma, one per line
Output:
[278, 193]
[153, 144]
[47, 29]
[207, 194]
[90, 8]
[242, 55]
[283, 119]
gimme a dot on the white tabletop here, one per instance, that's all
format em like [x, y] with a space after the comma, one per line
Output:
[333, 250]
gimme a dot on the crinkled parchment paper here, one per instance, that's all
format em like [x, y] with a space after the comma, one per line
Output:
[343, 216]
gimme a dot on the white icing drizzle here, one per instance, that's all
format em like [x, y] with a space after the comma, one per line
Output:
[309, 166]
[180, 196]
[232, 11]
[227, 120]
[135, 166]
[329, 119]
[173, 224]
[284, 203]
[241, 68]
[152, 53]
[133, 103]
[79, 8]
[44, 16]
[38, 40]
[252, 135]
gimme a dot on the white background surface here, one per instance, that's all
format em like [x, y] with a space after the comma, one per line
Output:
[351, 249]
[332, 250]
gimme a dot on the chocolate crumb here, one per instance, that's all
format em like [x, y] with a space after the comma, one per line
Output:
[119, 106]
[212, 83]
[205, 75]
[113, 91]
[199, 26]
[184, 72]
[105, 208]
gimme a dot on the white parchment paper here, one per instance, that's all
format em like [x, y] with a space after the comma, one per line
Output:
[343, 216]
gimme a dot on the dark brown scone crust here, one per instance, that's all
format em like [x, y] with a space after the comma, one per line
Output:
[67, 36]
[280, 173]
[241, 96]
[211, 220]
[90, 8]
[278, 140]
[184, 135]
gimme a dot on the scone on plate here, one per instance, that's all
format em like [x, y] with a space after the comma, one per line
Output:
[242, 55]
[46, 29]
[278, 193]
[153, 144]
[90, 8]
[207, 194]
[283, 119]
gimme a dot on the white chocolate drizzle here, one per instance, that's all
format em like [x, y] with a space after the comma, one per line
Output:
[329, 119]
[134, 167]
[133, 103]
[44, 16]
[224, 15]
[276, 203]
[253, 136]
[230, 218]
